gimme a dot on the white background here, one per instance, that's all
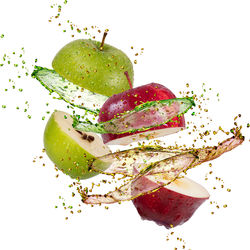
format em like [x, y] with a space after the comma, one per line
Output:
[185, 42]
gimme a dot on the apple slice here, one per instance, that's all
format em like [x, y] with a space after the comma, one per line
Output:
[68, 91]
[167, 168]
[172, 204]
[70, 150]
[143, 117]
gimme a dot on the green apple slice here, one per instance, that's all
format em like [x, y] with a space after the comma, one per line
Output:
[72, 151]
[68, 91]
[141, 118]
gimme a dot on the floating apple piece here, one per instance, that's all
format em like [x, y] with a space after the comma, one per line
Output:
[94, 65]
[172, 204]
[167, 170]
[70, 150]
[128, 100]
[141, 118]
[69, 92]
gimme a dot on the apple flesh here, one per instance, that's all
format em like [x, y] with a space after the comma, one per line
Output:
[72, 151]
[128, 100]
[171, 205]
[96, 67]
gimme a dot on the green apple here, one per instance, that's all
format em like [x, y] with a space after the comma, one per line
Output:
[70, 150]
[95, 66]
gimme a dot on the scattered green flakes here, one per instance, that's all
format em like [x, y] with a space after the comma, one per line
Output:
[36, 60]
[17, 107]
[2, 36]
[29, 116]
[248, 125]
[4, 106]
[20, 90]
[56, 206]
[25, 110]
[193, 114]
[43, 118]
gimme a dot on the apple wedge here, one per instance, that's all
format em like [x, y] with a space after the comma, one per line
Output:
[171, 205]
[70, 150]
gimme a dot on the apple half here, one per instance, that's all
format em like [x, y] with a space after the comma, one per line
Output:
[70, 150]
[171, 205]
[128, 100]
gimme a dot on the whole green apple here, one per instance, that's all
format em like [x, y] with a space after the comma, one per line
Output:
[95, 66]
[70, 150]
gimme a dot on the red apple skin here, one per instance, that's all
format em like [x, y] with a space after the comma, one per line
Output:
[164, 206]
[129, 99]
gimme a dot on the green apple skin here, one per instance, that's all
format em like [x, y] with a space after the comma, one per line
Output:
[100, 71]
[67, 154]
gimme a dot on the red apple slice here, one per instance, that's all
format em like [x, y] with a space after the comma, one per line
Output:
[128, 100]
[172, 204]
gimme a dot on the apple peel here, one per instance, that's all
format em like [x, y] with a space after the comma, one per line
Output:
[68, 91]
[161, 173]
[143, 117]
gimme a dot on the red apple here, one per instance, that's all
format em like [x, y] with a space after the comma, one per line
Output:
[128, 100]
[171, 205]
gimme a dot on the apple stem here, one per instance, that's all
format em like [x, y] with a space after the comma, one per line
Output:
[129, 81]
[103, 39]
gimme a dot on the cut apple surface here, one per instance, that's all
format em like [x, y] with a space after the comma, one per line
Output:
[170, 205]
[70, 150]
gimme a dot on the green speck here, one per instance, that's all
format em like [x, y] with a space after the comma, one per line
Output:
[43, 118]
[2, 36]
[193, 113]
[4, 106]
